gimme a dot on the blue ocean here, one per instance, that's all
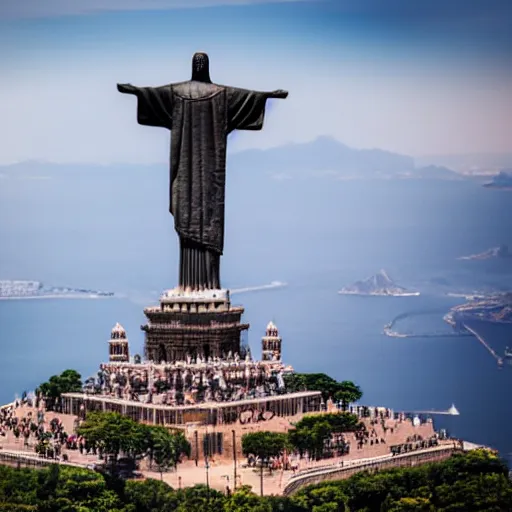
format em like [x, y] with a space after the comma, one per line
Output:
[317, 237]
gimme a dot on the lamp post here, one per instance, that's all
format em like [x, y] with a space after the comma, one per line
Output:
[234, 459]
[196, 439]
[207, 467]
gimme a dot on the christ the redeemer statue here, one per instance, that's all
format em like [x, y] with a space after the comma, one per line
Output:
[200, 115]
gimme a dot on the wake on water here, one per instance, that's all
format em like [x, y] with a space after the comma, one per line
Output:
[272, 285]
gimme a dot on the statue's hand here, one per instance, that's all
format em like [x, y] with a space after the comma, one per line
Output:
[127, 88]
[280, 94]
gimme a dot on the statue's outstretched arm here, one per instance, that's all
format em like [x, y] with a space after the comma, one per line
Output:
[127, 88]
[278, 94]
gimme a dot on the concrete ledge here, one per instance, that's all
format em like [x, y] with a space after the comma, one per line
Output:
[28, 460]
[416, 458]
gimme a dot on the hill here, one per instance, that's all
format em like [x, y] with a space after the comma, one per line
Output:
[324, 157]
[324, 154]
[501, 252]
[502, 180]
[379, 284]
[435, 172]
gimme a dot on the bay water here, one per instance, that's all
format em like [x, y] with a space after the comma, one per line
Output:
[316, 238]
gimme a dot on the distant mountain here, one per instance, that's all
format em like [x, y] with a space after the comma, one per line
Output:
[380, 284]
[435, 172]
[502, 180]
[500, 252]
[470, 163]
[322, 157]
[327, 156]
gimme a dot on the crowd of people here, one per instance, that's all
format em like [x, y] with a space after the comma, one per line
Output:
[274, 463]
[32, 431]
[368, 437]
[415, 442]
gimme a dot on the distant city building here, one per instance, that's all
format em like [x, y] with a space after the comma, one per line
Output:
[19, 288]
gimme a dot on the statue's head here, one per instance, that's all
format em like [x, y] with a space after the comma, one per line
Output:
[201, 67]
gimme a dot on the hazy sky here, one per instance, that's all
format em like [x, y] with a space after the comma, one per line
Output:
[417, 77]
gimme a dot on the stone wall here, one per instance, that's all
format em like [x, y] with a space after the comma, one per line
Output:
[437, 454]
[18, 461]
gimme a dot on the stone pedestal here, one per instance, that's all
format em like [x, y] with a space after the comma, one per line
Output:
[193, 325]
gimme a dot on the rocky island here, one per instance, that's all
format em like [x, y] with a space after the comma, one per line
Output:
[36, 290]
[501, 252]
[379, 284]
[502, 180]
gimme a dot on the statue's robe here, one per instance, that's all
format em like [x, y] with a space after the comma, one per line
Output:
[200, 116]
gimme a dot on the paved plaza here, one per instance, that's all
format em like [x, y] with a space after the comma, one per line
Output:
[221, 470]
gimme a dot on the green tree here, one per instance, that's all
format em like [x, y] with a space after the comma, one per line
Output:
[345, 391]
[338, 421]
[311, 439]
[114, 434]
[167, 448]
[200, 498]
[47, 483]
[412, 505]
[311, 382]
[69, 381]
[484, 492]
[244, 500]
[312, 431]
[331, 496]
[327, 507]
[69, 489]
[264, 445]
[182, 447]
[18, 487]
[284, 504]
[150, 496]
[163, 451]
[300, 439]
[467, 482]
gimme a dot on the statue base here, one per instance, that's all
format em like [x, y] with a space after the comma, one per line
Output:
[179, 294]
[192, 324]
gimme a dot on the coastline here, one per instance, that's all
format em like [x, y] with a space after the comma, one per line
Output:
[497, 187]
[467, 296]
[62, 296]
